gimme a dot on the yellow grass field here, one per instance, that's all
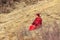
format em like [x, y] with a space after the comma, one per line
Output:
[14, 25]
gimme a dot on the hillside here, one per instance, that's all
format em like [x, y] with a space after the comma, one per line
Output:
[14, 25]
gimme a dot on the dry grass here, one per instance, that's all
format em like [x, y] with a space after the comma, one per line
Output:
[14, 26]
[52, 33]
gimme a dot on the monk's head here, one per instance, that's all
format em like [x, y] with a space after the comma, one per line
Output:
[38, 14]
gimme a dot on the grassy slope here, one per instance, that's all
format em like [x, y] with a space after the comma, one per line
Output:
[23, 18]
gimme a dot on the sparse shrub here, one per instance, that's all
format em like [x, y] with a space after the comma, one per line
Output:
[8, 5]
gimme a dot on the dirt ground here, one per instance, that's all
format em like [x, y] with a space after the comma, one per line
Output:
[14, 25]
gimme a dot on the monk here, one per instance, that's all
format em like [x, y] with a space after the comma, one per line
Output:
[36, 23]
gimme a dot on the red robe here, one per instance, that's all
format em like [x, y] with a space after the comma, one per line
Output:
[36, 23]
